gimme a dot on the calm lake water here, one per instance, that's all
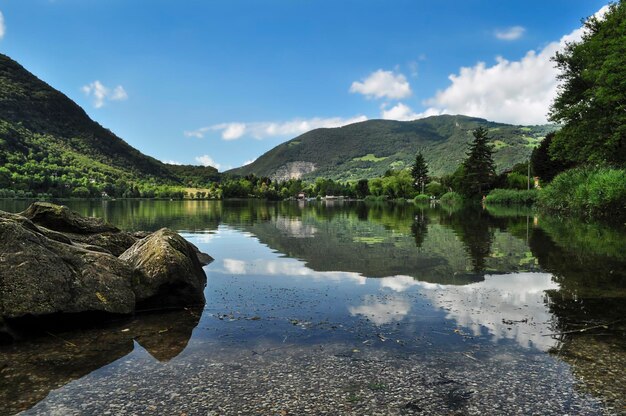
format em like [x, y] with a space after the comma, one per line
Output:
[350, 308]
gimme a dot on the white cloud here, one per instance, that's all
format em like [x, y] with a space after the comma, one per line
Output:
[101, 94]
[206, 160]
[171, 162]
[399, 111]
[119, 94]
[518, 92]
[382, 312]
[247, 162]
[383, 84]
[3, 27]
[265, 129]
[510, 33]
[403, 112]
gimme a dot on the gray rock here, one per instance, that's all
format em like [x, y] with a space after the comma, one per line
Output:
[86, 230]
[203, 258]
[170, 272]
[61, 218]
[52, 270]
[40, 276]
[113, 242]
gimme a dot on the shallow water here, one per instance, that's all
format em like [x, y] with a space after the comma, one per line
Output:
[351, 309]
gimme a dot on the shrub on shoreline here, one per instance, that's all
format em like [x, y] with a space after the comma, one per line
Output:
[587, 192]
[421, 199]
[512, 197]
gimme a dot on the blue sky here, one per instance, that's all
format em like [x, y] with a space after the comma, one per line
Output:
[221, 82]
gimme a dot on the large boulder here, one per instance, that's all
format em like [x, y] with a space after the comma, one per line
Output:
[46, 269]
[170, 272]
[61, 218]
[40, 275]
[88, 231]
[113, 242]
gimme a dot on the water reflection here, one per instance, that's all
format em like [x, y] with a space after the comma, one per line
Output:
[435, 281]
[382, 312]
[419, 229]
[509, 306]
[36, 366]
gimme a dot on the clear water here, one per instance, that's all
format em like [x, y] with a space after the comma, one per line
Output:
[351, 309]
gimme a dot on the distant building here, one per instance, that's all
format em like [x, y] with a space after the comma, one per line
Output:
[301, 195]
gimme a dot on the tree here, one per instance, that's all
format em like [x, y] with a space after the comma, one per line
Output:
[591, 101]
[419, 172]
[545, 166]
[362, 188]
[479, 168]
[80, 192]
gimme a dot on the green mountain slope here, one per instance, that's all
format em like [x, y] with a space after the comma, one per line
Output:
[48, 143]
[369, 148]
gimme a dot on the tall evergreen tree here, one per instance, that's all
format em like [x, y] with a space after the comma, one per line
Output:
[480, 171]
[419, 172]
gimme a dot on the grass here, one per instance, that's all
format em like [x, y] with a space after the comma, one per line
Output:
[196, 190]
[589, 192]
[370, 157]
[532, 142]
[369, 240]
[499, 144]
[512, 197]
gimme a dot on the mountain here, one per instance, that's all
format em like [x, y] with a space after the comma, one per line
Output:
[367, 149]
[49, 143]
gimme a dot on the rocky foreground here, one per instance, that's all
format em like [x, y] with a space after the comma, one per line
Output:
[54, 261]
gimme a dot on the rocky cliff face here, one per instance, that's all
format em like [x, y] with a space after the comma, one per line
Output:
[293, 170]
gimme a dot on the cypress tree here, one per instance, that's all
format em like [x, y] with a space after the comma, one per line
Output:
[419, 172]
[480, 171]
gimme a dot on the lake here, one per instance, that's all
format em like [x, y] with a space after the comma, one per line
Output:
[350, 308]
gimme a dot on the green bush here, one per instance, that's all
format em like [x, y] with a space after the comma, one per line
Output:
[435, 188]
[421, 199]
[512, 197]
[588, 192]
[515, 180]
[451, 198]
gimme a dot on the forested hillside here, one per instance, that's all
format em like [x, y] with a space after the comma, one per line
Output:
[369, 148]
[48, 144]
